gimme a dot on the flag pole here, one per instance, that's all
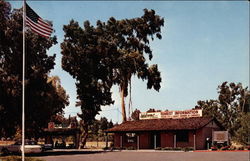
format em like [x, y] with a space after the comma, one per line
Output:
[23, 82]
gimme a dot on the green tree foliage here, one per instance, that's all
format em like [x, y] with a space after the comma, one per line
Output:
[98, 127]
[135, 114]
[132, 40]
[243, 133]
[59, 119]
[209, 108]
[108, 54]
[95, 127]
[42, 98]
[59, 95]
[153, 110]
[110, 124]
[245, 100]
[103, 123]
[228, 109]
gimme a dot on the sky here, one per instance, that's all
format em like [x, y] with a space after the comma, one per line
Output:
[204, 44]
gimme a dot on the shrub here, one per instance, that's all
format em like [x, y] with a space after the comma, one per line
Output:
[177, 148]
[130, 148]
[232, 148]
[18, 158]
[213, 148]
[158, 148]
[117, 148]
[188, 149]
[167, 148]
[225, 147]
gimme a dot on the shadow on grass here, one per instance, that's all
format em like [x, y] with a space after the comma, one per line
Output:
[65, 152]
[19, 158]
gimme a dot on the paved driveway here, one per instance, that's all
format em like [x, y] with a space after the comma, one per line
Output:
[147, 156]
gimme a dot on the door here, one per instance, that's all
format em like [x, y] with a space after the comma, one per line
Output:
[155, 137]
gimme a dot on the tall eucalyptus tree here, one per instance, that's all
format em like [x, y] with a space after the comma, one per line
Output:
[106, 55]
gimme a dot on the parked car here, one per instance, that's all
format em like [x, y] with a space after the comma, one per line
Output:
[71, 146]
[47, 147]
[29, 147]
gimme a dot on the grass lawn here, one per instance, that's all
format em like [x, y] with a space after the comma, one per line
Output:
[19, 158]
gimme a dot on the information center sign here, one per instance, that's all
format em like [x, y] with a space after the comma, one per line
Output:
[150, 115]
[220, 136]
[170, 114]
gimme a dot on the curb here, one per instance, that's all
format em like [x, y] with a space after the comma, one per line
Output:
[222, 151]
[148, 151]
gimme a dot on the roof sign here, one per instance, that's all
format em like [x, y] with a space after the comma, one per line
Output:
[170, 114]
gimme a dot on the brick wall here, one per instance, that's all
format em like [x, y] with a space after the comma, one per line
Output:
[167, 139]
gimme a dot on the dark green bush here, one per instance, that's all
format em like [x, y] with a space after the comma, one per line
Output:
[232, 148]
[19, 158]
[177, 148]
[214, 148]
[188, 149]
[130, 148]
[158, 148]
[225, 147]
[167, 148]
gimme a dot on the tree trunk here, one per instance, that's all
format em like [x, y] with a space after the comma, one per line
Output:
[84, 135]
[124, 118]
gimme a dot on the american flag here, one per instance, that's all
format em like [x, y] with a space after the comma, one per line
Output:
[37, 24]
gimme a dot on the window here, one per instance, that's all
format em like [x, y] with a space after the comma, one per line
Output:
[182, 136]
[131, 137]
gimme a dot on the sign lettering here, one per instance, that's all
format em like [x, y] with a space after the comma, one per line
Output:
[220, 136]
[170, 114]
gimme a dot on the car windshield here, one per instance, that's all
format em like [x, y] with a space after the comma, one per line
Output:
[26, 143]
[31, 143]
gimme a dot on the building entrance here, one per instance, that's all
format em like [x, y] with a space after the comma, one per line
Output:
[155, 140]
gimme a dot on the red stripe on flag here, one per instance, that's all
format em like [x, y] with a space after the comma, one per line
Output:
[38, 26]
[45, 24]
[36, 23]
[35, 29]
[45, 27]
[46, 36]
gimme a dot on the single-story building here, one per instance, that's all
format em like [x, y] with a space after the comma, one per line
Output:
[58, 130]
[168, 132]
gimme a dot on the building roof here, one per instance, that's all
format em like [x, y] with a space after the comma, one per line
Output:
[162, 124]
[61, 131]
